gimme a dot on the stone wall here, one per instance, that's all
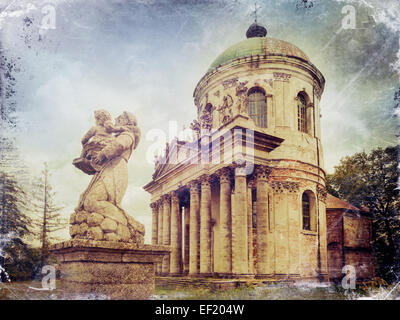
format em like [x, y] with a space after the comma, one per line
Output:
[349, 243]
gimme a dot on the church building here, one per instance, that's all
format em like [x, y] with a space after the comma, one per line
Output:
[247, 198]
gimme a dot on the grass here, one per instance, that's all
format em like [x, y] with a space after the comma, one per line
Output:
[26, 291]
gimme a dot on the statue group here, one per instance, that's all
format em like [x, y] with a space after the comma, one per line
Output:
[107, 148]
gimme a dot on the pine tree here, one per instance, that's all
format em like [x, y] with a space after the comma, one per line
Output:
[48, 218]
[14, 227]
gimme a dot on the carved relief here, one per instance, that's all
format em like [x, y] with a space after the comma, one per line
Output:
[241, 88]
[241, 101]
[206, 117]
[229, 83]
[195, 126]
[216, 94]
[225, 111]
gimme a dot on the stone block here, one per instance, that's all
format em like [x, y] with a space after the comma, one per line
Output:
[95, 233]
[96, 270]
[94, 219]
[108, 225]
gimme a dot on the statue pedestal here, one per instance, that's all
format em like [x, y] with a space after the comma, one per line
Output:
[107, 270]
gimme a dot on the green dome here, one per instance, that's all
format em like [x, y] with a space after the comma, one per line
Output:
[258, 46]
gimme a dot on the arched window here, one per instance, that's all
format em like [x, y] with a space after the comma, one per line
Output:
[302, 124]
[308, 211]
[257, 108]
[305, 202]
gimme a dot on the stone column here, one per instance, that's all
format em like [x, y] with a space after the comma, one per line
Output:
[225, 254]
[250, 186]
[166, 231]
[187, 239]
[154, 223]
[321, 199]
[160, 231]
[240, 264]
[194, 228]
[205, 226]
[176, 236]
[263, 263]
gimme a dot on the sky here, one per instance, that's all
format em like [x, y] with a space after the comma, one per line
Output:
[76, 56]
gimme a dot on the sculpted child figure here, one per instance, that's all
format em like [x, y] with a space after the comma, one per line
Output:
[99, 135]
[99, 215]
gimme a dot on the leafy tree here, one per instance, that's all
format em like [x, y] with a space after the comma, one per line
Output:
[371, 180]
[48, 218]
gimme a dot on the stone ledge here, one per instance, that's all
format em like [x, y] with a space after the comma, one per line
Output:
[86, 243]
[108, 251]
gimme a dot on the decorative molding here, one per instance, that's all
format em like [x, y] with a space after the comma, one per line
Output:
[317, 90]
[282, 186]
[280, 76]
[322, 193]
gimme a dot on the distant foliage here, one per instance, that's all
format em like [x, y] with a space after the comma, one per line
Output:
[371, 180]
[47, 214]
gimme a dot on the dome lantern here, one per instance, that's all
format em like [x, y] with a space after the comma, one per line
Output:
[256, 30]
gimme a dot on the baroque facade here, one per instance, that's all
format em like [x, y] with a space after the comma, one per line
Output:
[247, 197]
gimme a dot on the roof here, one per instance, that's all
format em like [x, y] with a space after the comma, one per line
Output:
[336, 203]
[258, 46]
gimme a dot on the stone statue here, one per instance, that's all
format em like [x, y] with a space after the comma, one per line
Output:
[106, 152]
[225, 111]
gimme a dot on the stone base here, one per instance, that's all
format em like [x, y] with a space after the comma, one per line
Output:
[107, 270]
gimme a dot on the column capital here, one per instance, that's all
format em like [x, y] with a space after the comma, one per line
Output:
[154, 205]
[262, 173]
[174, 195]
[251, 184]
[205, 181]
[224, 175]
[240, 167]
[194, 186]
[165, 197]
